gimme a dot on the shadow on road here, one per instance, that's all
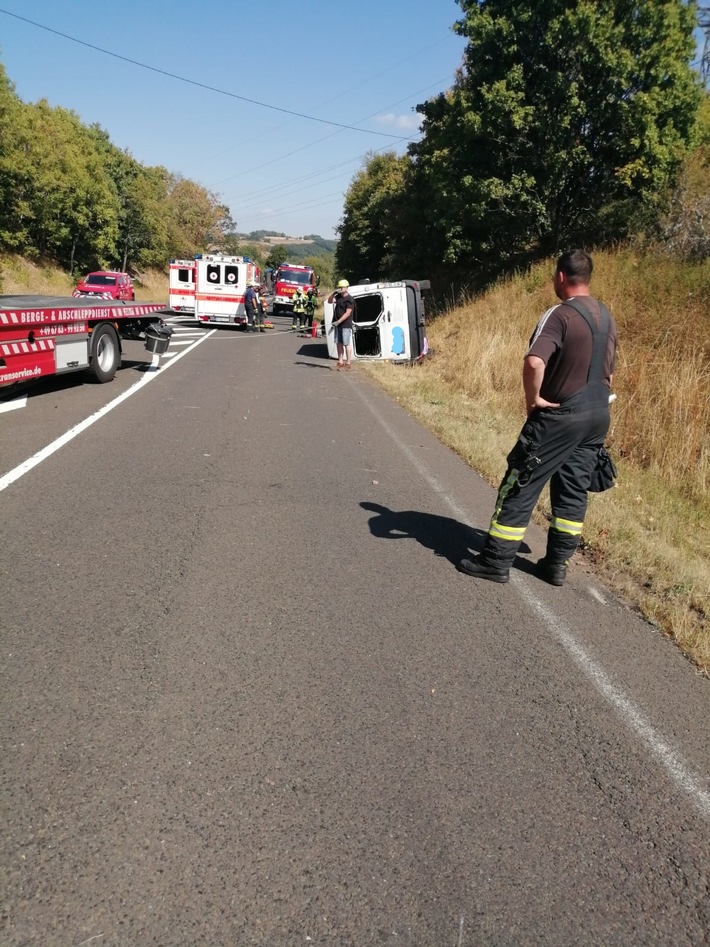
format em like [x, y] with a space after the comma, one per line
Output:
[445, 536]
[314, 350]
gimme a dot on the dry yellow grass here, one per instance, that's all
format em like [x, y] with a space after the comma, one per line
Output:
[19, 276]
[650, 536]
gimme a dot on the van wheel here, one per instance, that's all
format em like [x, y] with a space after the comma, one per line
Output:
[105, 353]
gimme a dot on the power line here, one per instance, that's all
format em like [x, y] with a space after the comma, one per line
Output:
[310, 144]
[377, 75]
[199, 85]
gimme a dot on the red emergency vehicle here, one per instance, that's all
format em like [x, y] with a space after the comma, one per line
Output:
[287, 279]
[220, 284]
[181, 285]
[50, 335]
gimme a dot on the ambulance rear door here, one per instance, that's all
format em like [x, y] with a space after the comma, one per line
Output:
[220, 287]
[181, 288]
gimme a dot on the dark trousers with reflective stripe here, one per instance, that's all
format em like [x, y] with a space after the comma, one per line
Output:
[558, 445]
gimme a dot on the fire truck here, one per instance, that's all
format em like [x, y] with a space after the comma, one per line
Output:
[181, 286]
[50, 335]
[220, 285]
[287, 279]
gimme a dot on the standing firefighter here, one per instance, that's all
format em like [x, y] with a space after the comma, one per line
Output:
[567, 375]
[311, 305]
[342, 325]
[299, 308]
[251, 305]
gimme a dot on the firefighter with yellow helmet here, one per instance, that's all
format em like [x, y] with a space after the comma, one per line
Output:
[341, 299]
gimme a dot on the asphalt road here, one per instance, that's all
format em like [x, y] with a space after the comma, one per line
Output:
[248, 699]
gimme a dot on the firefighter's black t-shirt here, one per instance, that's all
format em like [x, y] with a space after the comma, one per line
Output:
[343, 302]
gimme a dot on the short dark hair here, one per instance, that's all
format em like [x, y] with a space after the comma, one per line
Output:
[576, 265]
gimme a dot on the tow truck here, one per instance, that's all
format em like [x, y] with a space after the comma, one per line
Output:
[55, 335]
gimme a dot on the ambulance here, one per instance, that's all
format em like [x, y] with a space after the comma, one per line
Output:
[181, 286]
[388, 322]
[220, 284]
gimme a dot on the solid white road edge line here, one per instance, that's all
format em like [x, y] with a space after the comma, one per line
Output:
[151, 373]
[692, 783]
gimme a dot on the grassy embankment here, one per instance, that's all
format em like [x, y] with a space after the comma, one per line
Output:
[19, 276]
[650, 536]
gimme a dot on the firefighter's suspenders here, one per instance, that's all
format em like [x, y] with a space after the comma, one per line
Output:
[600, 337]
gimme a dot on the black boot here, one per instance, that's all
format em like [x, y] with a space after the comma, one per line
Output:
[553, 572]
[481, 570]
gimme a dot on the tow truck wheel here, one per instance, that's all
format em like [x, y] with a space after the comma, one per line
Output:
[105, 353]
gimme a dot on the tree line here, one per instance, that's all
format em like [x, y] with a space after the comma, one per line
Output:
[69, 195]
[568, 123]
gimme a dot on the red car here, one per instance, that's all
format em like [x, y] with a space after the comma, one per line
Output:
[106, 284]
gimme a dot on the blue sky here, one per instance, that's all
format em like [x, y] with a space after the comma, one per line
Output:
[366, 63]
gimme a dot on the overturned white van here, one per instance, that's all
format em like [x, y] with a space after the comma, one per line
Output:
[388, 321]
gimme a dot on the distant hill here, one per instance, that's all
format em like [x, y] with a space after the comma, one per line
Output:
[311, 245]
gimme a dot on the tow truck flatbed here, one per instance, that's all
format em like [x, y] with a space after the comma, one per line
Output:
[52, 335]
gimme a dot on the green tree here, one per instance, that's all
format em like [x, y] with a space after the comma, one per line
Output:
[684, 230]
[15, 170]
[277, 255]
[323, 266]
[368, 231]
[566, 121]
[141, 193]
[55, 195]
[196, 219]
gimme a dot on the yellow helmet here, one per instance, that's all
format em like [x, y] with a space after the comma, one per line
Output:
[343, 284]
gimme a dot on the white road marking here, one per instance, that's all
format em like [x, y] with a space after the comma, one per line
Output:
[14, 405]
[32, 462]
[181, 342]
[690, 781]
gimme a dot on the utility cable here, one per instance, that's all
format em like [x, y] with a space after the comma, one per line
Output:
[334, 98]
[310, 144]
[199, 85]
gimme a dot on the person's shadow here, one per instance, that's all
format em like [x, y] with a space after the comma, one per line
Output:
[445, 536]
